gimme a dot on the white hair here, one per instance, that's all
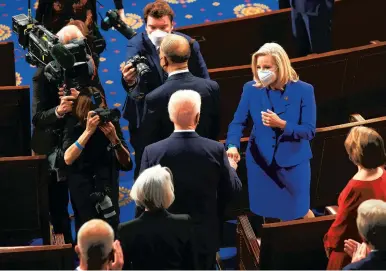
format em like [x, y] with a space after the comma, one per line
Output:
[371, 222]
[154, 188]
[95, 232]
[184, 105]
[69, 32]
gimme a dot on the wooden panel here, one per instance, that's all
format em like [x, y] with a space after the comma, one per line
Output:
[7, 57]
[15, 121]
[37, 258]
[23, 189]
[232, 42]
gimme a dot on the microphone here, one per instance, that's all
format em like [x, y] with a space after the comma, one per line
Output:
[63, 56]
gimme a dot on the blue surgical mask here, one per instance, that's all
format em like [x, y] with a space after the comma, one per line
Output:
[266, 77]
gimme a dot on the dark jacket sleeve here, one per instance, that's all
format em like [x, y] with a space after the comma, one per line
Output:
[133, 91]
[215, 93]
[145, 160]
[43, 104]
[118, 4]
[151, 121]
[197, 65]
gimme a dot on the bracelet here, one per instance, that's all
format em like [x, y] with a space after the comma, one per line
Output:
[231, 146]
[116, 146]
[80, 147]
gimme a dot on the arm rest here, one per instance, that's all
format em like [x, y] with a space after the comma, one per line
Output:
[331, 210]
[356, 117]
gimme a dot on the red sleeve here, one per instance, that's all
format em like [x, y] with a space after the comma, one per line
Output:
[345, 218]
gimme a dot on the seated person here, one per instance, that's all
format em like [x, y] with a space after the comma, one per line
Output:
[371, 222]
[96, 247]
[157, 239]
[365, 148]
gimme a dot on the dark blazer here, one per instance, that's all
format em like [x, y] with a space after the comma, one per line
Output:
[311, 7]
[158, 240]
[376, 260]
[156, 124]
[204, 181]
[141, 45]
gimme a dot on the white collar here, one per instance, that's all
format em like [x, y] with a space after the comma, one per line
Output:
[182, 131]
[177, 72]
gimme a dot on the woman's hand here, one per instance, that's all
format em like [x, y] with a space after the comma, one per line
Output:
[350, 246]
[109, 130]
[233, 153]
[271, 119]
[92, 122]
[360, 253]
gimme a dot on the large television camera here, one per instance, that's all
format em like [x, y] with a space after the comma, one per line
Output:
[63, 64]
[112, 19]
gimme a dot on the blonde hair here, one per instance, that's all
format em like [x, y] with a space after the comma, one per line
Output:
[365, 147]
[285, 72]
[154, 188]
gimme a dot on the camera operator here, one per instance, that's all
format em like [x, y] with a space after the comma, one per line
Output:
[158, 17]
[48, 110]
[95, 151]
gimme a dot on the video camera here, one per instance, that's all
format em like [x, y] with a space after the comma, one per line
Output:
[63, 63]
[112, 19]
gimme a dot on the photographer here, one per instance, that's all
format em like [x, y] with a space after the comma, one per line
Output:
[95, 151]
[158, 16]
[48, 110]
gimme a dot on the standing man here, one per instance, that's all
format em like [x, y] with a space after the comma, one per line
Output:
[311, 25]
[204, 178]
[158, 17]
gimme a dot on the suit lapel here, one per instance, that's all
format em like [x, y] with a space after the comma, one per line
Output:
[154, 57]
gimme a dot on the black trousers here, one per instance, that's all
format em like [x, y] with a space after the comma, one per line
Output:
[313, 32]
[84, 208]
[206, 261]
[58, 207]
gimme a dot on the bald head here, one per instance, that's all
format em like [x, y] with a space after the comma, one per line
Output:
[93, 233]
[68, 33]
[184, 109]
[176, 48]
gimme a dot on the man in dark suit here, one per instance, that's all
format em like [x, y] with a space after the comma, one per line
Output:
[371, 223]
[203, 178]
[158, 17]
[311, 25]
[156, 124]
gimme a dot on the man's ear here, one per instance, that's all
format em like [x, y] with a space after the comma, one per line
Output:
[197, 118]
[77, 250]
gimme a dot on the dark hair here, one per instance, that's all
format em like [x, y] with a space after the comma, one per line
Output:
[95, 259]
[158, 9]
[84, 102]
[365, 147]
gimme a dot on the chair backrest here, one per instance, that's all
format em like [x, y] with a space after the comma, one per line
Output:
[295, 244]
[338, 79]
[7, 57]
[15, 121]
[48, 257]
[331, 168]
[232, 42]
[23, 197]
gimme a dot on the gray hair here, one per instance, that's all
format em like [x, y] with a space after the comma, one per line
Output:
[183, 107]
[95, 232]
[371, 222]
[68, 33]
[154, 188]
[176, 48]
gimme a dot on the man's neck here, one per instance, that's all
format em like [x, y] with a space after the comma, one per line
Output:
[189, 128]
[180, 67]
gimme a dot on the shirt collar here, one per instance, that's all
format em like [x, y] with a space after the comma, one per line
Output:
[177, 72]
[182, 131]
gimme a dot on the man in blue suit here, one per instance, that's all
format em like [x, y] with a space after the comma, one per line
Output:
[159, 22]
[204, 178]
[311, 25]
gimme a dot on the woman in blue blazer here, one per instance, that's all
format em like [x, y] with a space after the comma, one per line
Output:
[284, 115]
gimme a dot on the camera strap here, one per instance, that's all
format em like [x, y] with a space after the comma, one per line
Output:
[96, 99]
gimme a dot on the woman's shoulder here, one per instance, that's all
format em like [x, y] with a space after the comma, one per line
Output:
[303, 85]
[251, 86]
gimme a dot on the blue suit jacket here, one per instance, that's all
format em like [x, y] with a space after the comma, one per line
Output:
[297, 107]
[141, 45]
[376, 260]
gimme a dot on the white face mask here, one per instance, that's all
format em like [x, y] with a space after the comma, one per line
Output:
[157, 36]
[266, 77]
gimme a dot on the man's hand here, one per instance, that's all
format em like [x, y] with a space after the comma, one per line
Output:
[74, 92]
[65, 106]
[118, 257]
[129, 74]
[232, 163]
[109, 130]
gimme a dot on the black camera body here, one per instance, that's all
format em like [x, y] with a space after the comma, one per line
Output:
[106, 115]
[140, 64]
[112, 19]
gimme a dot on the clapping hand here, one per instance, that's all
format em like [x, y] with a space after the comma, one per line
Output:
[118, 262]
[356, 250]
[271, 119]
